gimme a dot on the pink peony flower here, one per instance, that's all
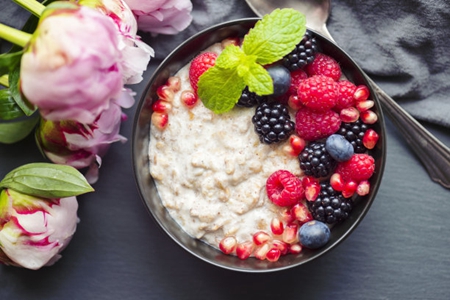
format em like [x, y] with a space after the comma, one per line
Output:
[162, 16]
[81, 145]
[136, 54]
[71, 69]
[33, 231]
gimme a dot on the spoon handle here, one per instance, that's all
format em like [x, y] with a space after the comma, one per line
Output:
[433, 154]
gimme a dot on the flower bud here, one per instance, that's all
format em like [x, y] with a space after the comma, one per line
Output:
[33, 231]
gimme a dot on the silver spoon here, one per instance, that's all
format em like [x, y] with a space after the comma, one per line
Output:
[433, 154]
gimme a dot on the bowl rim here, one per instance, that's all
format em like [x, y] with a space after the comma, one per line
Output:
[317, 253]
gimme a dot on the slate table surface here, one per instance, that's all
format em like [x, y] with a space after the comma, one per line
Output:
[399, 251]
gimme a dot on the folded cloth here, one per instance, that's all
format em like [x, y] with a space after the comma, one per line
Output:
[403, 47]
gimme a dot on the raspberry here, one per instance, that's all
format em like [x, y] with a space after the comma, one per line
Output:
[311, 125]
[345, 98]
[199, 65]
[296, 77]
[324, 65]
[284, 188]
[360, 167]
[319, 92]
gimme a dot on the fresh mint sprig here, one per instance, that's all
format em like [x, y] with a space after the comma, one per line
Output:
[272, 37]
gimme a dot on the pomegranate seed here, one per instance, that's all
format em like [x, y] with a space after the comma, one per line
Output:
[290, 233]
[294, 102]
[244, 250]
[289, 150]
[336, 182]
[174, 82]
[261, 251]
[361, 93]
[297, 144]
[365, 105]
[295, 248]
[282, 246]
[370, 138]
[161, 106]
[261, 237]
[369, 117]
[349, 188]
[308, 180]
[228, 244]
[286, 216]
[276, 226]
[312, 191]
[160, 120]
[189, 99]
[301, 213]
[165, 93]
[363, 188]
[273, 254]
[349, 114]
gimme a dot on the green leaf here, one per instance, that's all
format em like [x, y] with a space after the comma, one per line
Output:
[258, 80]
[8, 107]
[14, 87]
[221, 89]
[12, 132]
[231, 57]
[8, 61]
[47, 180]
[275, 35]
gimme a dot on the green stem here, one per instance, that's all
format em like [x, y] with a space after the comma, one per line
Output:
[14, 36]
[4, 81]
[33, 6]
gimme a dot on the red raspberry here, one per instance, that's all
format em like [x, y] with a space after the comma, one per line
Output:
[199, 65]
[318, 92]
[346, 91]
[358, 168]
[284, 188]
[311, 125]
[296, 77]
[324, 65]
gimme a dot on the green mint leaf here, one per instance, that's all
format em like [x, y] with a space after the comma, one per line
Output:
[220, 89]
[275, 35]
[257, 79]
[8, 107]
[230, 57]
[14, 131]
[22, 102]
[8, 61]
[46, 180]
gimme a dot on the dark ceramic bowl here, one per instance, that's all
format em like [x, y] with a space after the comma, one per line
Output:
[140, 141]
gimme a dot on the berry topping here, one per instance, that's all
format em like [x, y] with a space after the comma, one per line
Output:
[303, 53]
[199, 65]
[311, 125]
[314, 234]
[284, 188]
[296, 77]
[319, 92]
[358, 168]
[346, 91]
[316, 161]
[272, 122]
[330, 206]
[250, 99]
[324, 65]
[354, 133]
[339, 148]
[281, 78]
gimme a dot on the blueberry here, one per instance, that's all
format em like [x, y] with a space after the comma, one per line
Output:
[314, 234]
[339, 148]
[281, 79]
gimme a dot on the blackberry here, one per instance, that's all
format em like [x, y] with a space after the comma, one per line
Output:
[272, 122]
[250, 99]
[330, 206]
[303, 53]
[316, 161]
[354, 133]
